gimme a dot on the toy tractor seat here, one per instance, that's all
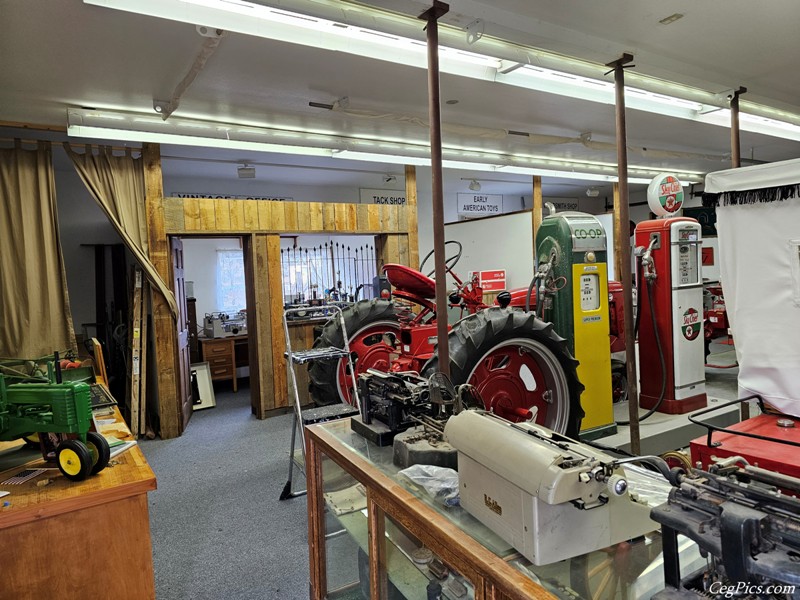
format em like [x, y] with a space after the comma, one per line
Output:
[408, 280]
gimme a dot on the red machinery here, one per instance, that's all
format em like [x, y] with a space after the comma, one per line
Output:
[517, 363]
[767, 441]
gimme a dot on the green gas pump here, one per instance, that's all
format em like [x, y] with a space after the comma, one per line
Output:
[572, 293]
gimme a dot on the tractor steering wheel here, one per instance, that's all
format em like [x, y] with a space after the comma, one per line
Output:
[449, 262]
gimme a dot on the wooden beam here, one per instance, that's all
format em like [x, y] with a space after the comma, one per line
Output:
[620, 230]
[257, 276]
[412, 216]
[274, 304]
[536, 213]
[165, 331]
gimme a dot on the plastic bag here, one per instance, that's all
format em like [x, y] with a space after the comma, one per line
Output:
[440, 483]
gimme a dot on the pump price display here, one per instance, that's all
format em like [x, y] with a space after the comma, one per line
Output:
[687, 264]
[590, 292]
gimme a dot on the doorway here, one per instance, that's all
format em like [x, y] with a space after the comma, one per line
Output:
[217, 309]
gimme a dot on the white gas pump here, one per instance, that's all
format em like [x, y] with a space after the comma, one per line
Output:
[671, 349]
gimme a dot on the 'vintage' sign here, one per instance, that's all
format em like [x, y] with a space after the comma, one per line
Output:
[233, 197]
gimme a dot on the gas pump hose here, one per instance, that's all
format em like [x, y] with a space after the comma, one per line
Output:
[528, 295]
[661, 358]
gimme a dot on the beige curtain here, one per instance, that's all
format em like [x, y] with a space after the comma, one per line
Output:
[117, 185]
[35, 318]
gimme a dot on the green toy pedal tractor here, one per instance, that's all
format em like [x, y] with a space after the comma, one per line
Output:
[60, 412]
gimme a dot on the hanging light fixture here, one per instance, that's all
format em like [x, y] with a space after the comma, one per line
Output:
[246, 172]
[475, 185]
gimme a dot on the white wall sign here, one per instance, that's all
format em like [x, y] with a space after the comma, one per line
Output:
[480, 205]
[368, 196]
[233, 197]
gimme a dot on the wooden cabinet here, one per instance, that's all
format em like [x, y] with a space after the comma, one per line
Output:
[220, 356]
[86, 539]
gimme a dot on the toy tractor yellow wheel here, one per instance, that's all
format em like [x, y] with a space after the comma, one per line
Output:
[101, 453]
[74, 459]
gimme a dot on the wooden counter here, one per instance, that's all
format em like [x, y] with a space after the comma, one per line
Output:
[88, 539]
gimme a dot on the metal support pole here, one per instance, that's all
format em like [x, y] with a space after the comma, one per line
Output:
[435, 118]
[624, 249]
[736, 162]
[736, 150]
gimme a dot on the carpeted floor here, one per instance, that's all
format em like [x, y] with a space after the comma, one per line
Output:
[218, 528]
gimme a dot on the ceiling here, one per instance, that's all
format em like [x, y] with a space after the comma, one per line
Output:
[68, 54]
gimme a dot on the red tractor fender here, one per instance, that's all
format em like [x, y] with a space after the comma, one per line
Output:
[518, 297]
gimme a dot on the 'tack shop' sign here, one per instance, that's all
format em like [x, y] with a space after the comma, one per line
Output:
[665, 195]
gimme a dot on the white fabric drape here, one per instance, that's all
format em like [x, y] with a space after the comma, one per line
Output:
[117, 185]
[759, 245]
[35, 318]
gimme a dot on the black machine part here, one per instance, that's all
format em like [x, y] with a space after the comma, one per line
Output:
[737, 516]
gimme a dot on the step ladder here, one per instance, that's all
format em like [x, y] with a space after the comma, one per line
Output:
[311, 416]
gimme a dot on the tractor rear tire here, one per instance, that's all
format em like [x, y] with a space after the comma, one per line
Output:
[364, 320]
[491, 336]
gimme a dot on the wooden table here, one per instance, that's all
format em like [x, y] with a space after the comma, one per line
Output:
[88, 539]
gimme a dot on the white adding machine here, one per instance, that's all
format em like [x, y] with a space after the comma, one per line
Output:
[548, 496]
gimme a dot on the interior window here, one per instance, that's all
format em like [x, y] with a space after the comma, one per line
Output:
[230, 281]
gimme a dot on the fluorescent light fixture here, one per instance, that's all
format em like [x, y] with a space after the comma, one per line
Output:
[569, 175]
[282, 25]
[181, 131]
[127, 135]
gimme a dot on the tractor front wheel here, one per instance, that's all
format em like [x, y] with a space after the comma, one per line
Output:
[74, 459]
[518, 365]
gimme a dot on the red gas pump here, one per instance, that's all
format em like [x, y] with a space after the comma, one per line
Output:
[671, 348]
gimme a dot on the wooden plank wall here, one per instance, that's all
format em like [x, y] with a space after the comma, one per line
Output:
[261, 224]
[209, 216]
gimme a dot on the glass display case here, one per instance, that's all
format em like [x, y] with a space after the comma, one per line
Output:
[375, 534]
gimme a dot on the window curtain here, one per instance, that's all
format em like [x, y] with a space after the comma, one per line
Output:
[117, 185]
[35, 318]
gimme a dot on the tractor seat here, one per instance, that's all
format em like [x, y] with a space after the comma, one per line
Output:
[411, 281]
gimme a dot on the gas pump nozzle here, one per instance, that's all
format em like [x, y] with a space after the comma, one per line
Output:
[645, 255]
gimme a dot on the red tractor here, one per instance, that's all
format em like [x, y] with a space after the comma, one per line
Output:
[518, 364]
